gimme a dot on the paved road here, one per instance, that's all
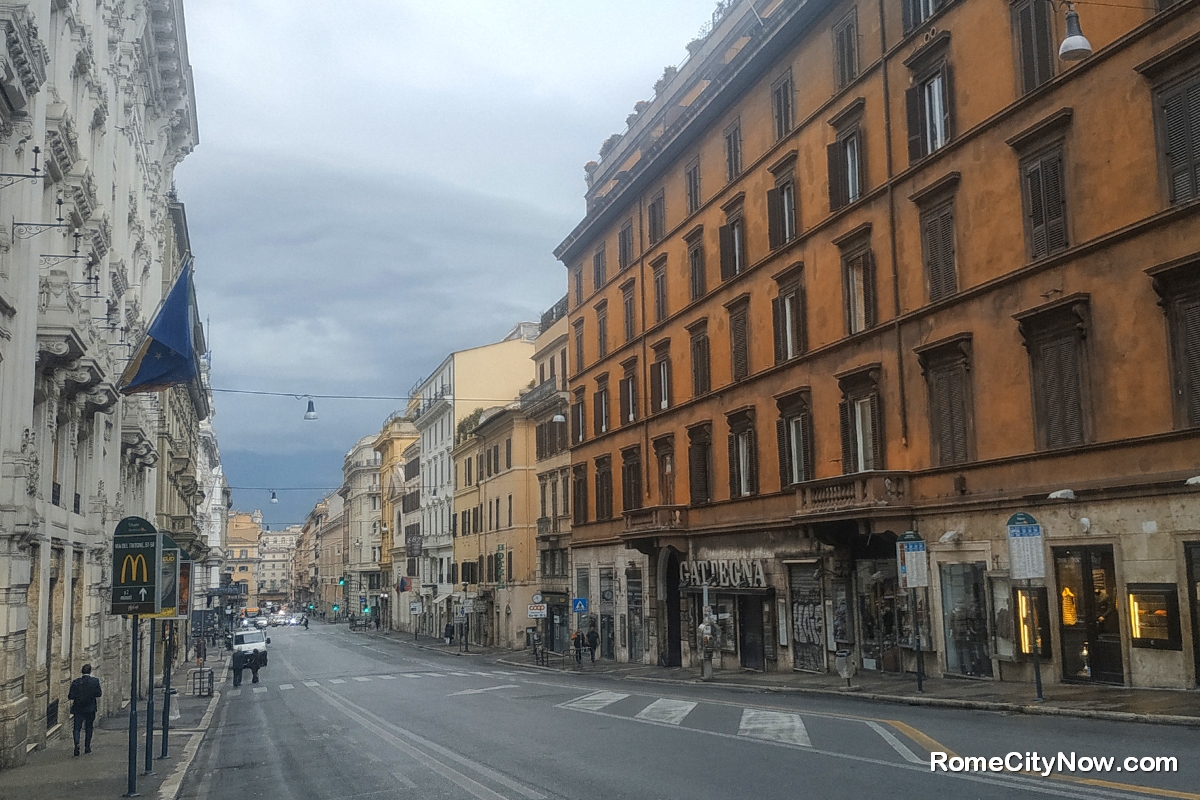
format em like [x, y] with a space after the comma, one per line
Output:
[340, 716]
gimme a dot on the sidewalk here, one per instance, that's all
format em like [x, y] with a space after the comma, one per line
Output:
[1157, 706]
[439, 645]
[53, 772]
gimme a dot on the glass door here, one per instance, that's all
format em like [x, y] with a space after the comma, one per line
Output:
[1192, 551]
[964, 619]
[1089, 617]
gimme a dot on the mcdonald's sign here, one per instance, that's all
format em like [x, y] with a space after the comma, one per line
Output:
[137, 553]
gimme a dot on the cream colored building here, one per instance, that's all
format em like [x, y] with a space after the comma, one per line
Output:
[275, 566]
[244, 536]
[363, 508]
[395, 437]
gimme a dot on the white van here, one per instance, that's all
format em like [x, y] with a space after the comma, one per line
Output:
[246, 641]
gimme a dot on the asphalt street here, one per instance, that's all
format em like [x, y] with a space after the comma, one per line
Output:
[345, 715]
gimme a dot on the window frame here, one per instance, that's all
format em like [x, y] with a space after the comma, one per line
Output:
[1065, 323]
[865, 258]
[1040, 158]
[733, 151]
[783, 105]
[599, 268]
[659, 273]
[739, 338]
[845, 60]
[660, 377]
[628, 394]
[625, 245]
[1029, 67]
[692, 184]
[700, 456]
[732, 237]
[847, 181]
[629, 310]
[700, 352]
[941, 279]
[789, 306]
[743, 454]
[578, 331]
[1177, 285]
[1182, 86]
[604, 498]
[601, 412]
[860, 391]
[796, 464]
[601, 309]
[632, 494]
[697, 277]
[923, 124]
[949, 359]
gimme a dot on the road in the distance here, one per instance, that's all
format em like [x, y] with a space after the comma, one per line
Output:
[342, 715]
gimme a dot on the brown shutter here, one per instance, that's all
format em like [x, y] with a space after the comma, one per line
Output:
[1037, 210]
[958, 414]
[734, 482]
[738, 338]
[1055, 199]
[948, 100]
[1027, 45]
[907, 14]
[752, 459]
[727, 255]
[1189, 318]
[941, 416]
[876, 431]
[915, 111]
[777, 320]
[1072, 399]
[806, 427]
[623, 414]
[849, 462]
[698, 473]
[933, 260]
[837, 176]
[949, 278]
[667, 382]
[869, 296]
[785, 453]
[774, 218]
[597, 416]
[800, 319]
[1181, 126]
[656, 388]
[633, 399]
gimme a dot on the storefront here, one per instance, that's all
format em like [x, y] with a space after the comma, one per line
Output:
[557, 631]
[1089, 614]
[1192, 556]
[744, 606]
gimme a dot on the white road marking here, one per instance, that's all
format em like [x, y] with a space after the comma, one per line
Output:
[433, 675]
[312, 683]
[260, 690]
[897, 745]
[502, 672]
[671, 712]
[410, 674]
[234, 693]
[484, 674]
[595, 701]
[286, 686]
[460, 674]
[773, 725]
[403, 779]
[386, 677]
[336, 680]
[363, 680]
[481, 691]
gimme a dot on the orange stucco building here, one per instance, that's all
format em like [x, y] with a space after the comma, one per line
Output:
[867, 268]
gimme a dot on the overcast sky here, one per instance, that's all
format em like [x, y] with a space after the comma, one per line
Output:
[380, 182]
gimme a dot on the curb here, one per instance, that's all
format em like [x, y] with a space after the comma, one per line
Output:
[169, 789]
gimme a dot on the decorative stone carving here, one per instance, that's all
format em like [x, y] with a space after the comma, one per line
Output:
[24, 70]
[32, 465]
[62, 142]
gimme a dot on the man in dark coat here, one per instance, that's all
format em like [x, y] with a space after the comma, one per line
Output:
[593, 640]
[82, 694]
[238, 665]
[257, 660]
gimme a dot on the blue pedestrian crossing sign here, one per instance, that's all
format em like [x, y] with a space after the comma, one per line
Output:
[579, 605]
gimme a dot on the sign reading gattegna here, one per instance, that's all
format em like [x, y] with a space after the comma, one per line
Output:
[135, 567]
[732, 573]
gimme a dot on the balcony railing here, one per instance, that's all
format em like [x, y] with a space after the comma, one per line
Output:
[545, 389]
[656, 518]
[860, 491]
[544, 526]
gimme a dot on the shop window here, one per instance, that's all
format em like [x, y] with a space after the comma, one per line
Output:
[726, 622]
[964, 617]
[1033, 621]
[1004, 628]
[904, 612]
[1154, 616]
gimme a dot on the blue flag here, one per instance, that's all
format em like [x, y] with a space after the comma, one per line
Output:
[166, 356]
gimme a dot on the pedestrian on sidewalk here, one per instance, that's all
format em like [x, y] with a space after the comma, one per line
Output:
[257, 661]
[201, 652]
[579, 641]
[448, 634]
[593, 640]
[82, 694]
[238, 665]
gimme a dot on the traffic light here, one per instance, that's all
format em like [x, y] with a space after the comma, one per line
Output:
[342, 581]
[310, 606]
[366, 609]
[336, 608]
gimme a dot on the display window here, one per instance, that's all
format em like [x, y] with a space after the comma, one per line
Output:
[965, 620]
[1154, 616]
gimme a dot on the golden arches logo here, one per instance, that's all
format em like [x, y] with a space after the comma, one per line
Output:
[132, 561]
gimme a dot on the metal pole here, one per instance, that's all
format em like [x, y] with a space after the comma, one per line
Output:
[131, 788]
[168, 654]
[1037, 646]
[150, 707]
[916, 612]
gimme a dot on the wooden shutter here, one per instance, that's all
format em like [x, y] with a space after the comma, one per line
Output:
[597, 414]
[735, 484]
[725, 234]
[698, 473]
[774, 218]
[800, 319]
[957, 381]
[914, 106]
[906, 7]
[1189, 318]
[740, 356]
[1047, 205]
[782, 440]
[948, 100]
[777, 323]
[876, 432]
[1181, 130]
[807, 453]
[838, 189]
[1033, 30]
[666, 381]
[752, 460]
[1037, 210]
[624, 391]
[939, 253]
[508, 453]
[656, 388]
[869, 299]
[849, 459]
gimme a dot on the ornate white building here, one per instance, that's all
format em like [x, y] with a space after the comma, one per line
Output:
[97, 95]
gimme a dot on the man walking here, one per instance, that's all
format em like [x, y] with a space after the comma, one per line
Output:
[82, 694]
[257, 659]
[593, 640]
[238, 665]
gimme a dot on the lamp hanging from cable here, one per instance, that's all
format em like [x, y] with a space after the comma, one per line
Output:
[311, 413]
[1075, 46]
[274, 498]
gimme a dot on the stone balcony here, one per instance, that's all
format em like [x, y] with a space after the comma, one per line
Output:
[656, 518]
[853, 494]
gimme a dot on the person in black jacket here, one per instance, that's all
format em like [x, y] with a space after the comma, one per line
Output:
[82, 694]
[258, 659]
[593, 640]
[238, 665]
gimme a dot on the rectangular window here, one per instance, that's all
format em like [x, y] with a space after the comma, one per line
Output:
[1045, 203]
[602, 330]
[604, 498]
[858, 272]
[733, 151]
[508, 453]
[739, 342]
[629, 314]
[696, 268]
[928, 104]
[510, 510]
[787, 312]
[937, 243]
[1179, 122]
[692, 179]
[660, 290]
[733, 246]
[793, 432]
[600, 410]
[1154, 616]
[701, 381]
[628, 396]
[625, 245]
[1179, 292]
[631, 479]
[656, 218]
[579, 344]
[914, 12]
[862, 428]
[845, 49]
[947, 369]
[781, 212]
[1035, 42]
[578, 429]
[846, 168]
[743, 457]
[700, 464]
[579, 489]
[599, 269]
[1056, 338]
[578, 281]
[660, 381]
[782, 95]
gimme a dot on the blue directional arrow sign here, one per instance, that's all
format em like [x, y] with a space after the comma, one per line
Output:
[579, 605]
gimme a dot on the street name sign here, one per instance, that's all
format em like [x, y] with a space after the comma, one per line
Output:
[414, 608]
[537, 610]
[579, 605]
[135, 568]
[1026, 555]
[912, 560]
[468, 606]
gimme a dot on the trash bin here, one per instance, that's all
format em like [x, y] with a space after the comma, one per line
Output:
[845, 665]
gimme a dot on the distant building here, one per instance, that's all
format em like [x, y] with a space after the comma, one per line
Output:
[363, 505]
[395, 437]
[276, 549]
[242, 554]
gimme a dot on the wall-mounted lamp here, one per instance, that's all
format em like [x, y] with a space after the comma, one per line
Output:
[1062, 494]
